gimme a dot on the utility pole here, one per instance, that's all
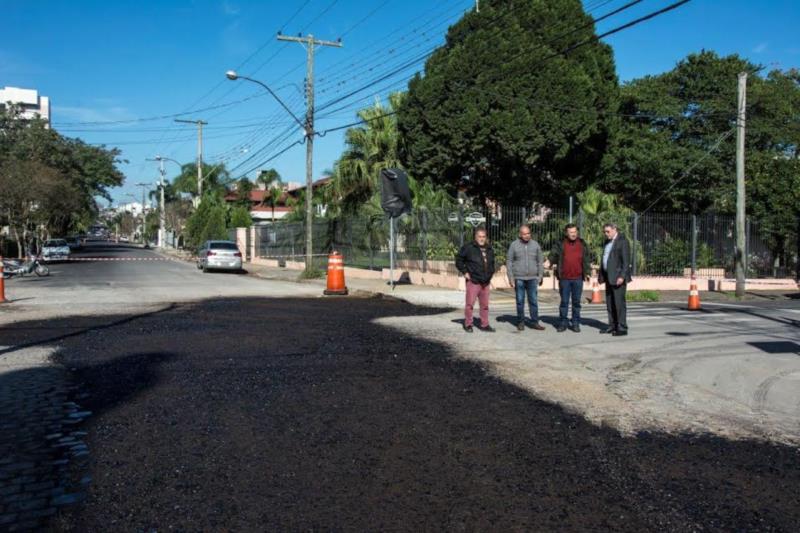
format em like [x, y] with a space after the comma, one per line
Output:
[144, 187]
[309, 42]
[200, 125]
[162, 217]
[739, 257]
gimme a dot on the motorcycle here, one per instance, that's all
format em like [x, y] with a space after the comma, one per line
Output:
[14, 267]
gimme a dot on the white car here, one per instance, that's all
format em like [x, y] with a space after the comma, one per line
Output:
[219, 255]
[55, 250]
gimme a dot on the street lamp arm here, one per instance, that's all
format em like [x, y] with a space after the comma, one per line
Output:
[234, 76]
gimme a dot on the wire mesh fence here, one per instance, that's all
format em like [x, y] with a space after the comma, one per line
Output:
[663, 244]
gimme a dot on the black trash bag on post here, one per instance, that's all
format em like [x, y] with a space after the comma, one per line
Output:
[395, 194]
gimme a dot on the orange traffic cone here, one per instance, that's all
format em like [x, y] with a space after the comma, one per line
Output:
[694, 295]
[336, 284]
[2, 283]
[596, 297]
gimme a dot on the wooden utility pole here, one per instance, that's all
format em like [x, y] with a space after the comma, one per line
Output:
[309, 42]
[739, 258]
[200, 125]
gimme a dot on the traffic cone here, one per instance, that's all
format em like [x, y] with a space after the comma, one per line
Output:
[336, 284]
[596, 297]
[694, 295]
[2, 282]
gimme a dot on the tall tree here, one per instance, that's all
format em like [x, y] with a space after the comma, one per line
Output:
[666, 153]
[501, 113]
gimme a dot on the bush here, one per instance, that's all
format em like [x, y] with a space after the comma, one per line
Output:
[643, 296]
[206, 223]
[240, 218]
[672, 256]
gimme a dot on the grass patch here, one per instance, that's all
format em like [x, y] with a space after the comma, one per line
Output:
[643, 296]
[311, 273]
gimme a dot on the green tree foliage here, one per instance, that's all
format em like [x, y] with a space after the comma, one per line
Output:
[208, 222]
[369, 149]
[275, 195]
[501, 113]
[673, 119]
[268, 177]
[48, 183]
[243, 189]
[215, 179]
[240, 217]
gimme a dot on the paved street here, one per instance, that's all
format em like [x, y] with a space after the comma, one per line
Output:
[199, 401]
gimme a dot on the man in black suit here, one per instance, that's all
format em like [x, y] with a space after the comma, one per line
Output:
[615, 272]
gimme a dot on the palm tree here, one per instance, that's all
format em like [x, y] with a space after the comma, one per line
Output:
[269, 177]
[273, 197]
[370, 148]
[215, 179]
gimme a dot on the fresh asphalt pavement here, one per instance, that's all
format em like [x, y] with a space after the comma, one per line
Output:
[227, 402]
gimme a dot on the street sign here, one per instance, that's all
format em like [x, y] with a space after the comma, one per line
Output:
[452, 217]
[475, 218]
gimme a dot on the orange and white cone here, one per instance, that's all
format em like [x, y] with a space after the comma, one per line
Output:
[694, 295]
[596, 297]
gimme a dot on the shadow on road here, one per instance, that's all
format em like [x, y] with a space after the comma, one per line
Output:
[253, 414]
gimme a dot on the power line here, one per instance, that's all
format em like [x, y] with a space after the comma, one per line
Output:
[688, 171]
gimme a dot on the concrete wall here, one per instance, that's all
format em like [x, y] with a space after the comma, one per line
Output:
[443, 274]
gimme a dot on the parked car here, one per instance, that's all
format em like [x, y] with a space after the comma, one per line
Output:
[55, 250]
[219, 255]
[123, 238]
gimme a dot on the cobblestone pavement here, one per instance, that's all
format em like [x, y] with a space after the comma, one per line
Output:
[40, 439]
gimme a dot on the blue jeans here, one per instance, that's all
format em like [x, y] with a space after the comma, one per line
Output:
[531, 287]
[570, 289]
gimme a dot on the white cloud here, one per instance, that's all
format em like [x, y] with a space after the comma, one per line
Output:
[760, 48]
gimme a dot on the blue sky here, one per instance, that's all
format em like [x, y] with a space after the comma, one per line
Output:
[108, 65]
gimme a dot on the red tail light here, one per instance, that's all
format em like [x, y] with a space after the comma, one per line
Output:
[238, 254]
[210, 253]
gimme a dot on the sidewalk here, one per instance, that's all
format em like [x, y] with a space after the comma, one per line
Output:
[438, 297]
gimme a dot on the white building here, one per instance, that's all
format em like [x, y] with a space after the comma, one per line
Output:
[29, 100]
[134, 208]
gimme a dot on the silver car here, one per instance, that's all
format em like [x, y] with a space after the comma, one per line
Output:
[55, 250]
[219, 255]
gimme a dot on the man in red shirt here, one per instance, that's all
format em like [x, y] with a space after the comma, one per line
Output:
[571, 263]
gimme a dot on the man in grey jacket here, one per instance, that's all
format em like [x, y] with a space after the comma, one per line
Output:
[525, 267]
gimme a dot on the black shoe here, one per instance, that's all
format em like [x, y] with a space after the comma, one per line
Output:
[608, 330]
[561, 328]
[468, 329]
[620, 333]
[520, 326]
[576, 328]
[487, 329]
[537, 326]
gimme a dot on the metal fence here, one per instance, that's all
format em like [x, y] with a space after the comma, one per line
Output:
[662, 243]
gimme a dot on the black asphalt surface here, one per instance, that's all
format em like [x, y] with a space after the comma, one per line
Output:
[305, 414]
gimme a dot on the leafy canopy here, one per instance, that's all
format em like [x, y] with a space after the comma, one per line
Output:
[501, 114]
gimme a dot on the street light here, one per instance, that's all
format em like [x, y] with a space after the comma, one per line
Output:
[162, 214]
[308, 127]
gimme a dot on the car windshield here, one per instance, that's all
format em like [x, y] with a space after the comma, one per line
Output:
[222, 246]
[52, 243]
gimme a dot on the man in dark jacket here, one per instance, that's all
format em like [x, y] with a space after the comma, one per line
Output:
[571, 263]
[615, 272]
[475, 261]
